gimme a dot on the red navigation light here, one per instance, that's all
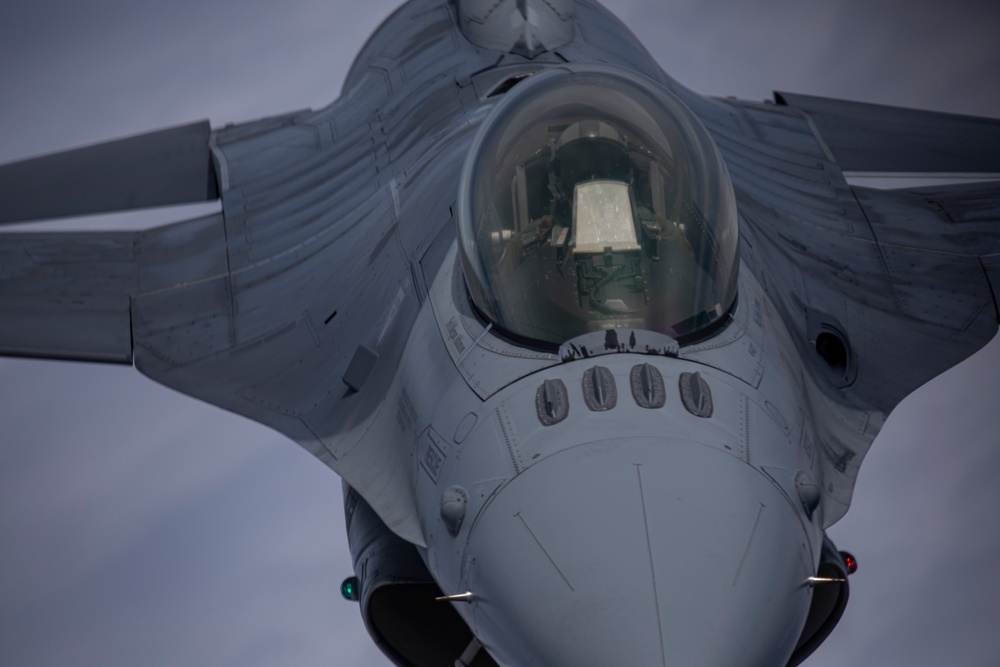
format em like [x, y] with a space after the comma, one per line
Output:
[850, 561]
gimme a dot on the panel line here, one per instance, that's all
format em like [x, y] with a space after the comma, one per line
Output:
[547, 555]
[652, 567]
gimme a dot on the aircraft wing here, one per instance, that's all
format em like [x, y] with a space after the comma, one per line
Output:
[172, 166]
[879, 139]
[290, 307]
[907, 278]
[68, 296]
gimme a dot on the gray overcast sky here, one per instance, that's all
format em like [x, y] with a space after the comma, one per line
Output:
[140, 527]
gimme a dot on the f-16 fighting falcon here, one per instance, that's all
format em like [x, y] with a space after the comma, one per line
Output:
[597, 358]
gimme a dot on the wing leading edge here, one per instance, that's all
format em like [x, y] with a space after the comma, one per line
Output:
[908, 276]
[261, 309]
[906, 280]
[258, 310]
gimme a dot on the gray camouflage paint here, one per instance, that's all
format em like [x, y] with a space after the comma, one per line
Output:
[855, 603]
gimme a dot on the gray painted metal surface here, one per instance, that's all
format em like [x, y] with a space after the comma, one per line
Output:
[172, 166]
[603, 510]
[523, 27]
[877, 138]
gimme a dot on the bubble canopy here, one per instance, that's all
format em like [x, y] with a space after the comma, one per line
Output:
[594, 199]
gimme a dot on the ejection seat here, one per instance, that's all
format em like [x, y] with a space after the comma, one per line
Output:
[606, 248]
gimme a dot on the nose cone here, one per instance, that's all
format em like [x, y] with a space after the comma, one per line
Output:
[639, 552]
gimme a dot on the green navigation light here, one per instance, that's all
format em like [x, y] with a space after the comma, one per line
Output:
[351, 589]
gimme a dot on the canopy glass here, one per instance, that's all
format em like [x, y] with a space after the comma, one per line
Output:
[594, 199]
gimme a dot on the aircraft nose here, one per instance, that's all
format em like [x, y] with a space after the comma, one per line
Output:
[639, 552]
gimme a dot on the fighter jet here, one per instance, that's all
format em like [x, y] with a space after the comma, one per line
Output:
[621, 408]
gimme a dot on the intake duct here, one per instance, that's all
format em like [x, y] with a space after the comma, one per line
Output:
[828, 603]
[397, 596]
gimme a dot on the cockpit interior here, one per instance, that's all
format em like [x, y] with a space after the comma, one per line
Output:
[593, 199]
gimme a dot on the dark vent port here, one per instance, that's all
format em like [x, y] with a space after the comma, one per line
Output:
[508, 83]
[832, 349]
[834, 358]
